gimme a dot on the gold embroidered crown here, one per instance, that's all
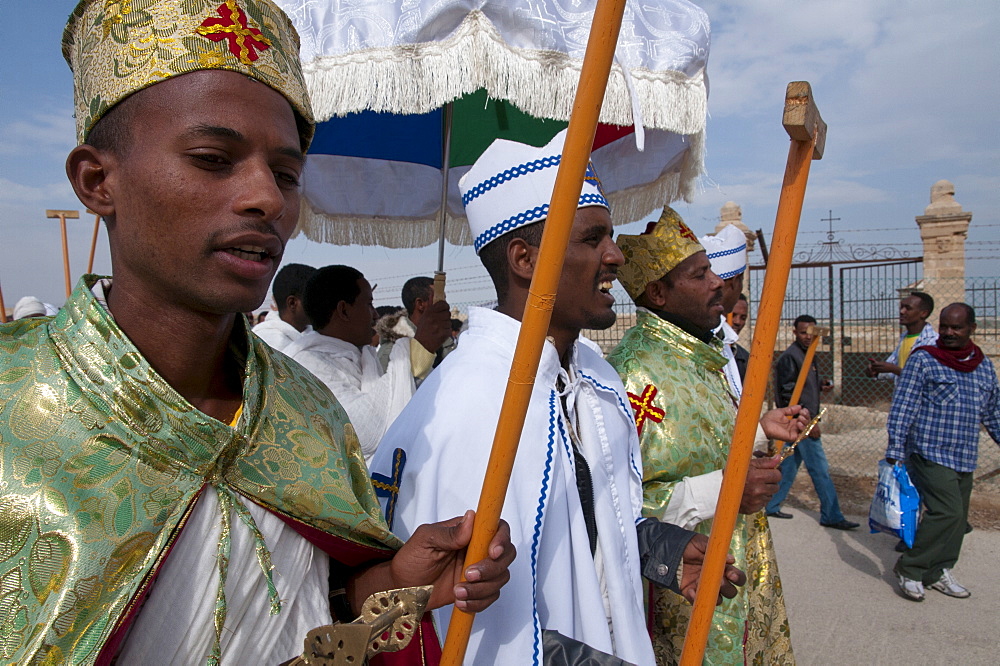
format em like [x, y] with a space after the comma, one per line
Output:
[654, 253]
[118, 47]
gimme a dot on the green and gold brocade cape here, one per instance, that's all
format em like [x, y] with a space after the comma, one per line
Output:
[102, 460]
[685, 415]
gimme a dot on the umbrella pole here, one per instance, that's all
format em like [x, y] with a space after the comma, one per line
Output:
[808, 132]
[3, 310]
[542, 294]
[445, 160]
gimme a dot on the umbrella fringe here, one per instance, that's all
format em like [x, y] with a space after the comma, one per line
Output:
[627, 205]
[636, 203]
[395, 232]
[423, 77]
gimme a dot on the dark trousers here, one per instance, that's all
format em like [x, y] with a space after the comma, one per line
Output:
[945, 495]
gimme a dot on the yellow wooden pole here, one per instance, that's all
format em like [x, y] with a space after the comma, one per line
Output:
[63, 215]
[541, 298]
[800, 381]
[808, 133]
[93, 241]
[3, 310]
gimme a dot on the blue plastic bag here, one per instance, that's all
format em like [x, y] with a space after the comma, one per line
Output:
[896, 505]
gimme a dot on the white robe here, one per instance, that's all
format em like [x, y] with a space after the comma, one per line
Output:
[732, 372]
[447, 431]
[176, 623]
[277, 332]
[371, 397]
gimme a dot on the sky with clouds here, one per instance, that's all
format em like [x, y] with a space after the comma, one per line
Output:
[909, 90]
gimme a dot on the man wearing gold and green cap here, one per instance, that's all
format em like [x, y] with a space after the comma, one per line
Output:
[173, 491]
[671, 365]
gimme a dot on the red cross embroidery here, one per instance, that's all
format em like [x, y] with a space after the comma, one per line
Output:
[643, 407]
[686, 231]
[243, 40]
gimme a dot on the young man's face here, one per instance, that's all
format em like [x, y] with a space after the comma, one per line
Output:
[207, 194]
[911, 311]
[802, 335]
[954, 329]
[740, 313]
[589, 270]
[694, 292]
[361, 316]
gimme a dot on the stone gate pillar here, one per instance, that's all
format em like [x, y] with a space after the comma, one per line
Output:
[732, 214]
[944, 226]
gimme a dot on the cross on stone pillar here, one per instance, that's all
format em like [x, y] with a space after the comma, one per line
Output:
[944, 226]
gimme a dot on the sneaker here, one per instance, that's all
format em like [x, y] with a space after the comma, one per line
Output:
[911, 589]
[947, 584]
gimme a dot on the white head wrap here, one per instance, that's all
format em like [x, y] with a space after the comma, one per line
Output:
[510, 186]
[29, 306]
[727, 250]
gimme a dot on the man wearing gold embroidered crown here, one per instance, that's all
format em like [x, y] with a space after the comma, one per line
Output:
[671, 364]
[173, 491]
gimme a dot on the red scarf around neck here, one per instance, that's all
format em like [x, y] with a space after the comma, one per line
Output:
[965, 359]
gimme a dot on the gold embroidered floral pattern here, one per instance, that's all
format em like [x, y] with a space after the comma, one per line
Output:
[692, 439]
[651, 255]
[89, 509]
[118, 47]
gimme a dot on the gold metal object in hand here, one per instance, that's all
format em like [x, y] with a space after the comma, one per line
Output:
[790, 448]
[388, 621]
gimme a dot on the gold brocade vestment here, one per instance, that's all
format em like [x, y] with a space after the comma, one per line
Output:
[101, 462]
[685, 416]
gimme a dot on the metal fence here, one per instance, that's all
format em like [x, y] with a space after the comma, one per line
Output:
[859, 304]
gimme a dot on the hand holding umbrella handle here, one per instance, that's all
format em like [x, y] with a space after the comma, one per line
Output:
[439, 278]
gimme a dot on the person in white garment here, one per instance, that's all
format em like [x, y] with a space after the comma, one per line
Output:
[727, 252]
[432, 321]
[338, 300]
[289, 286]
[575, 499]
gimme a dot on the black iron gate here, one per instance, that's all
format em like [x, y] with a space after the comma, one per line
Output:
[869, 310]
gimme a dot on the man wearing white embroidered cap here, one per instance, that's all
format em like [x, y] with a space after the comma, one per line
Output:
[727, 252]
[574, 503]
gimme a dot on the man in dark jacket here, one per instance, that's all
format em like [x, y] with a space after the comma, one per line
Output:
[809, 450]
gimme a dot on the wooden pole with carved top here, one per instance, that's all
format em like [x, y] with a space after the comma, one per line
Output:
[807, 130]
[64, 215]
[93, 241]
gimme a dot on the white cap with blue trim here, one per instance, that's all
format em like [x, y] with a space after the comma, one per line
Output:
[727, 250]
[510, 186]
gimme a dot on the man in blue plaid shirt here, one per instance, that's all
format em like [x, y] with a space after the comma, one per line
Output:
[944, 392]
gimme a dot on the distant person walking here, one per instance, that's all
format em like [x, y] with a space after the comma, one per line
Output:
[809, 450]
[943, 394]
[914, 311]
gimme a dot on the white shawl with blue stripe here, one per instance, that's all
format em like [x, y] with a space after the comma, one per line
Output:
[446, 432]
